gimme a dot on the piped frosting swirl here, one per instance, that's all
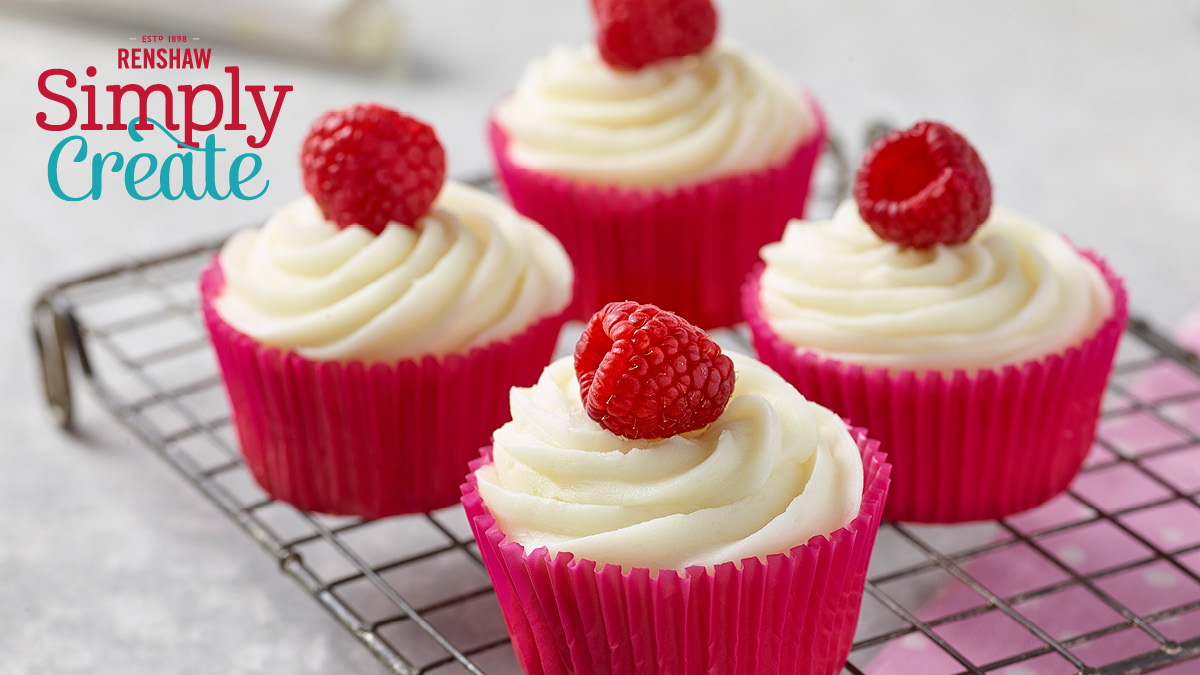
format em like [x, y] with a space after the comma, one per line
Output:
[1014, 292]
[470, 272]
[717, 113]
[773, 471]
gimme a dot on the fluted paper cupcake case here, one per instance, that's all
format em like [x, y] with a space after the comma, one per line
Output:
[686, 249]
[965, 446]
[368, 439]
[791, 613]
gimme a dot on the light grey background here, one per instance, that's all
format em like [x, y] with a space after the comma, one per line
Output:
[1086, 112]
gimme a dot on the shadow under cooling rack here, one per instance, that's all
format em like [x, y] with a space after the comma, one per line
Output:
[414, 591]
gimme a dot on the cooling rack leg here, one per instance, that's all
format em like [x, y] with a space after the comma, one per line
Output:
[52, 331]
[843, 172]
[835, 153]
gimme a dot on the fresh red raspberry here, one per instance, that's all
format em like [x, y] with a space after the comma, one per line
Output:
[635, 33]
[370, 165]
[646, 373]
[923, 186]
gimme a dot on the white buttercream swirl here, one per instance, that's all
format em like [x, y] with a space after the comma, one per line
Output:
[472, 271]
[723, 111]
[1013, 293]
[773, 471]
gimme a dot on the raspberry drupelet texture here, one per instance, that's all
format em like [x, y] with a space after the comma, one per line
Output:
[646, 373]
[370, 165]
[633, 34]
[922, 186]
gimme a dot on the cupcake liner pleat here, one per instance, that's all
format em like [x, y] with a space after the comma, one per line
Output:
[789, 613]
[686, 249]
[368, 439]
[965, 446]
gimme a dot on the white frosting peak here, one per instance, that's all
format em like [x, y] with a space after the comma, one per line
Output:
[773, 471]
[472, 271]
[1014, 292]
[716, 113]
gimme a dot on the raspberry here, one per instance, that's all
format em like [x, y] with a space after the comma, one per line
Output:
[923, 186]
[635, 33]
[369, 165]
[646, 373]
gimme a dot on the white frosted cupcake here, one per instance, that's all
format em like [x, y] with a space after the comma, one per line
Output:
[661, 180]
[609, 549]
[973, 342]
[368, 355]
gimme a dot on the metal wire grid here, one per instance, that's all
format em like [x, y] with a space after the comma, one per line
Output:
[413, 589]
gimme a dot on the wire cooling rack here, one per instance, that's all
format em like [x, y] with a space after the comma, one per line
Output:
[414, 591]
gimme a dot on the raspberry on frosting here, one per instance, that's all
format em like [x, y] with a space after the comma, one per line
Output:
[646, 373]
[636, 33]
[370, 165]
[922, 186]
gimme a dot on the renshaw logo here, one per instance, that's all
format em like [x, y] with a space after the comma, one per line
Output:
[187, 108]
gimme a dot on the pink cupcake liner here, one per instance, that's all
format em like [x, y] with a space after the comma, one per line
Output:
[368, 439]
[686, 249]
[793, 613]
[965, 447]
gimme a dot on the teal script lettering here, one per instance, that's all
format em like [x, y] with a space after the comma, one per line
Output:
[143, 168]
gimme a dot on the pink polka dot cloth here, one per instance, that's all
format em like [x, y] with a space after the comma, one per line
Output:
[1089, 549]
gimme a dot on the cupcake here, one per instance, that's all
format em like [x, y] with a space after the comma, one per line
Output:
[663, 507]
[662, 161]
[974, 343]
[368, 333]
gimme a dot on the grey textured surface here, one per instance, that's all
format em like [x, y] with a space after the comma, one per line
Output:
[1085, 111]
